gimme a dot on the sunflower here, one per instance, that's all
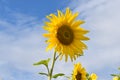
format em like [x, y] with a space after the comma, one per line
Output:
[79, 73]
[115, 78]
[93, 76]
[65, 34]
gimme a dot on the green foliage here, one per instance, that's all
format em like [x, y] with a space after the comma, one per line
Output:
[114, 75]
[119, 68]
[87, 75]
[43, 73]
[57, 75]
[42, 62]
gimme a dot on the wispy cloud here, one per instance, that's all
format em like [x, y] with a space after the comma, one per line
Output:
[21, 45]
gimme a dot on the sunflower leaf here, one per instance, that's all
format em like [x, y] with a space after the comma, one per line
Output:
[114, 75]
[42, 62]
[119, 68]
[57, 75]
[43, 73]
[87, 75]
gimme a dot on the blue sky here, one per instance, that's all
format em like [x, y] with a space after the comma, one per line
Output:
[22, 44]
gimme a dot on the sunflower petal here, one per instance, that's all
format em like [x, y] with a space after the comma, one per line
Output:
[77, 23]
[81, 37]
[73, 17]
[60, 14]
[50, 46]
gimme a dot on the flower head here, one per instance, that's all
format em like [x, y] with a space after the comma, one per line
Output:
[79, 73]
[65, 34]
[115, 78]
[93, 76]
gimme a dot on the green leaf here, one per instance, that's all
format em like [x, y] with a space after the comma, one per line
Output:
[89, 78]
[114, 75]
[119, 68]
[43, 73]
[57, 75]
[87, 75]
[42, 62]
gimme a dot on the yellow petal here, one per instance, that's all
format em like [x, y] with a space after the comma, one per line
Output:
[47, 35]
[60, 14]
[68, 14]
[81, 37]
[50, 46]
[49, 24]
[65, 52]
[73, 18]
[77, 23]
[48, 17]
[71, 53]
[53, 16]
[80, 31]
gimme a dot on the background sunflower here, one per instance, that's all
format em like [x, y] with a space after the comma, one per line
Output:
[79, 73]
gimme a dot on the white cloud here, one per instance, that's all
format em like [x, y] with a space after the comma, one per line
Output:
[21, 44]
[1, 78]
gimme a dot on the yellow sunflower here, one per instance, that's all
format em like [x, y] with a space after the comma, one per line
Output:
[65, 34]
[115, 78]
[79, 73]
[93, 76]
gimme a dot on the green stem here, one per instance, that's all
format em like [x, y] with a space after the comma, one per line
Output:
[48, 70]
[51, 70]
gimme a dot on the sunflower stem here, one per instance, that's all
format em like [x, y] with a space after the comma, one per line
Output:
[52, 67]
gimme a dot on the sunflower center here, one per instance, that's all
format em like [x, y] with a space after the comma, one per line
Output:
[79, 76]
[65, 35]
